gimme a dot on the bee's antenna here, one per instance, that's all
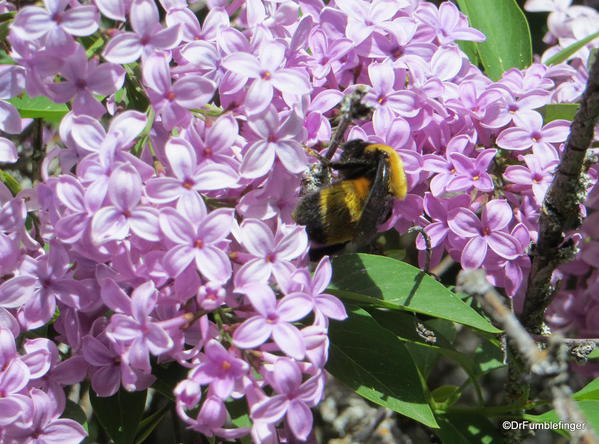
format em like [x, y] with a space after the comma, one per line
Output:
[351, 108]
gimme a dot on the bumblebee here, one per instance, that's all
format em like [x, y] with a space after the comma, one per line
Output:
[370, 177]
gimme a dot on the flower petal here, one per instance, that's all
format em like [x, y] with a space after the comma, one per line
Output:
[289, 339]
[474, 253]
[504, 245]
[252, 333]
[299, 418]
[463, 222]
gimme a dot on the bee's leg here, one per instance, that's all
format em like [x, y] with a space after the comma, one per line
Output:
[317, 253]
[376, 202]
[347, 164]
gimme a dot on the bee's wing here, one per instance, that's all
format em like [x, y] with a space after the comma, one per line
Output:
[376, 203]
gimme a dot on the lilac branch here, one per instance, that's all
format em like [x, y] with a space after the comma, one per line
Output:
[560, 211]
[550, 364]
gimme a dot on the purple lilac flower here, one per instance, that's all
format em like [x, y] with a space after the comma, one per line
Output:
[529, 133]
[267, 75]
[15, 374]
[449, 23]
[485, 233]
[114, 9]
[12, 81]
[276, 139]
[326, 54]
[403, 43]
[364, 18]
[81, 207]
[191, 29]
[293, 400]
[220, 369]
[201, 242]
[189, 175]
[535, 177]
[274, 319]
[114, 222]
[511, 273]
[35, 291]
[384, 98]
[83, 80]
[215, 143]
[173, 101]
[56, 23]
[271, 254]
[471, 173]
[40, 422]
[147, 37]
[137, 331]
[105, 373]
[437, 209]
[312, 288]
[504, 111]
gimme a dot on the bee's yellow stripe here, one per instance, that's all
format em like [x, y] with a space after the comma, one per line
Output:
[341, 206]
[355, 194]
[398, 185]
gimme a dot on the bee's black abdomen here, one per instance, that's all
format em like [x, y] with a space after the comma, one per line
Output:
[308, 213]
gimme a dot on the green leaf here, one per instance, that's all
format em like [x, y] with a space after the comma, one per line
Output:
[167, 377]
[5, 59]
[405, 326]
[589, 391]
[587, 399]
[94, 47]
[446, 395]
[469, 48]
[7, 16]
[150, 422]
[376, 365]
[590, 408]
[238, 409]
[120, 414]
[594, 354]
[4, 28]
[384, 282]
[467, 428]
[75, 412]
[565, 53]
[39, 107]
[508, 44]
[396, 254]
[13, 184]
[555, 111]
[94, 430]
[120, 95]
[487, 357]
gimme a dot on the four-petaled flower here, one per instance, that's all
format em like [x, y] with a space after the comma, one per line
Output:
[148, 35]
[484, 233]
[220, 369]
[201, 242]
[294, 398]
[273, 319]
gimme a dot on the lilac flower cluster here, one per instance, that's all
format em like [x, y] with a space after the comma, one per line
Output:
[166, 236]
[576, 307]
